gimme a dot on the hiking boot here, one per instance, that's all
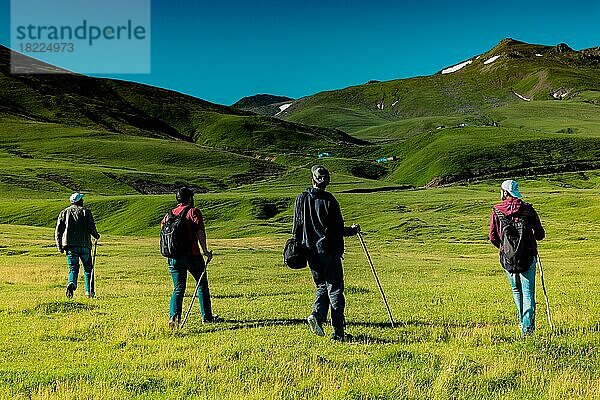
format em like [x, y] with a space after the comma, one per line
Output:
[215, 318]
[315, 325]
[343, 337]
[70, 290]
[174, 322]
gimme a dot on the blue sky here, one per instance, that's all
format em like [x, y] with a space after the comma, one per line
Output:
[223, 50]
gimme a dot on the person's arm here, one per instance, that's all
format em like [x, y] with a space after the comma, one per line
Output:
[201, 235]
[351, 230]
[494, 224]
[538, 230]
[339, 222]
[297, 220]
[58, 233]
[92, 226]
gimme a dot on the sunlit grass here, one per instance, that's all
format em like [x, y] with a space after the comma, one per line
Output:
[456, 334]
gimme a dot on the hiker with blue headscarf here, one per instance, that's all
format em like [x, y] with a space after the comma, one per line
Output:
[515, 228]
[74, 229]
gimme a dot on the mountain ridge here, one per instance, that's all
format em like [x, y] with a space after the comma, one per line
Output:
[134, 108]
[470, 87]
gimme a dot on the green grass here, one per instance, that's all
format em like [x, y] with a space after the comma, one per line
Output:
[474, 152]
[456, 335]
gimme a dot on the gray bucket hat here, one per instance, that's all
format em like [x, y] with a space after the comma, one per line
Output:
[320, 175]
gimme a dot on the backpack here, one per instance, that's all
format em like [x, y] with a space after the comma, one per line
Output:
[294, 252]
[175, 240]
[515, 254]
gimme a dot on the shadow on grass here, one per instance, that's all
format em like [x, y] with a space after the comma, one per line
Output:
[424, 324]
[234, 325]
[403, 332]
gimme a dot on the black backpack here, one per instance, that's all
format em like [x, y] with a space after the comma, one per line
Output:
[175, 240]
[516, 238]
[294, 252]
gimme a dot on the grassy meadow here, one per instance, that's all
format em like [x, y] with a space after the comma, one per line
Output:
[456, 333]
[128, 147]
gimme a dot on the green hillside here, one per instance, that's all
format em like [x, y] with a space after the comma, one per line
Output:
[516, 110]
[136, 109]
[264, 104]
[490, 80]
[450, 127]
[65, 132]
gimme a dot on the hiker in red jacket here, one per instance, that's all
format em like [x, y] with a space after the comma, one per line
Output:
[515, 228]
[192, 262]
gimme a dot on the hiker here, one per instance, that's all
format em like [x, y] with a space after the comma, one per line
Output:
[319, 226]
[191, 260]
[74, 228]
[515, 228]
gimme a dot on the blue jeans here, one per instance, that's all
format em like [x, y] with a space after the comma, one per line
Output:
[74, 254]
[179, 269]
[523, 288]
[328, 275]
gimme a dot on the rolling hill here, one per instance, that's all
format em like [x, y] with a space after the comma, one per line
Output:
[66, 132]
[264, 104]
[515, 110]
[132, 108]
[511, 72]
[128, 146]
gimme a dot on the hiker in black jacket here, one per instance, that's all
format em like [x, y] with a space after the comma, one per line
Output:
[319, 226]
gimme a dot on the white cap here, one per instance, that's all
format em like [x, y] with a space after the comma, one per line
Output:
[512, 187]
[75, 197]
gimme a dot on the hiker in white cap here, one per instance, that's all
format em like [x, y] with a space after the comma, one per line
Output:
[515, 228]
[74, 228]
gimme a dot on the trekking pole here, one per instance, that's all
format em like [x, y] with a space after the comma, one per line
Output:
[364, 246]
[187, 314]
[545, 294]
[92, 277]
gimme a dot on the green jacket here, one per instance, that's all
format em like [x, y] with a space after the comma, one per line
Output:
[74, 227]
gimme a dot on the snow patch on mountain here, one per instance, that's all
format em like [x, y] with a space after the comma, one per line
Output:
[491, 60]
[521, 97]
[283, 107]
[457, 67]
